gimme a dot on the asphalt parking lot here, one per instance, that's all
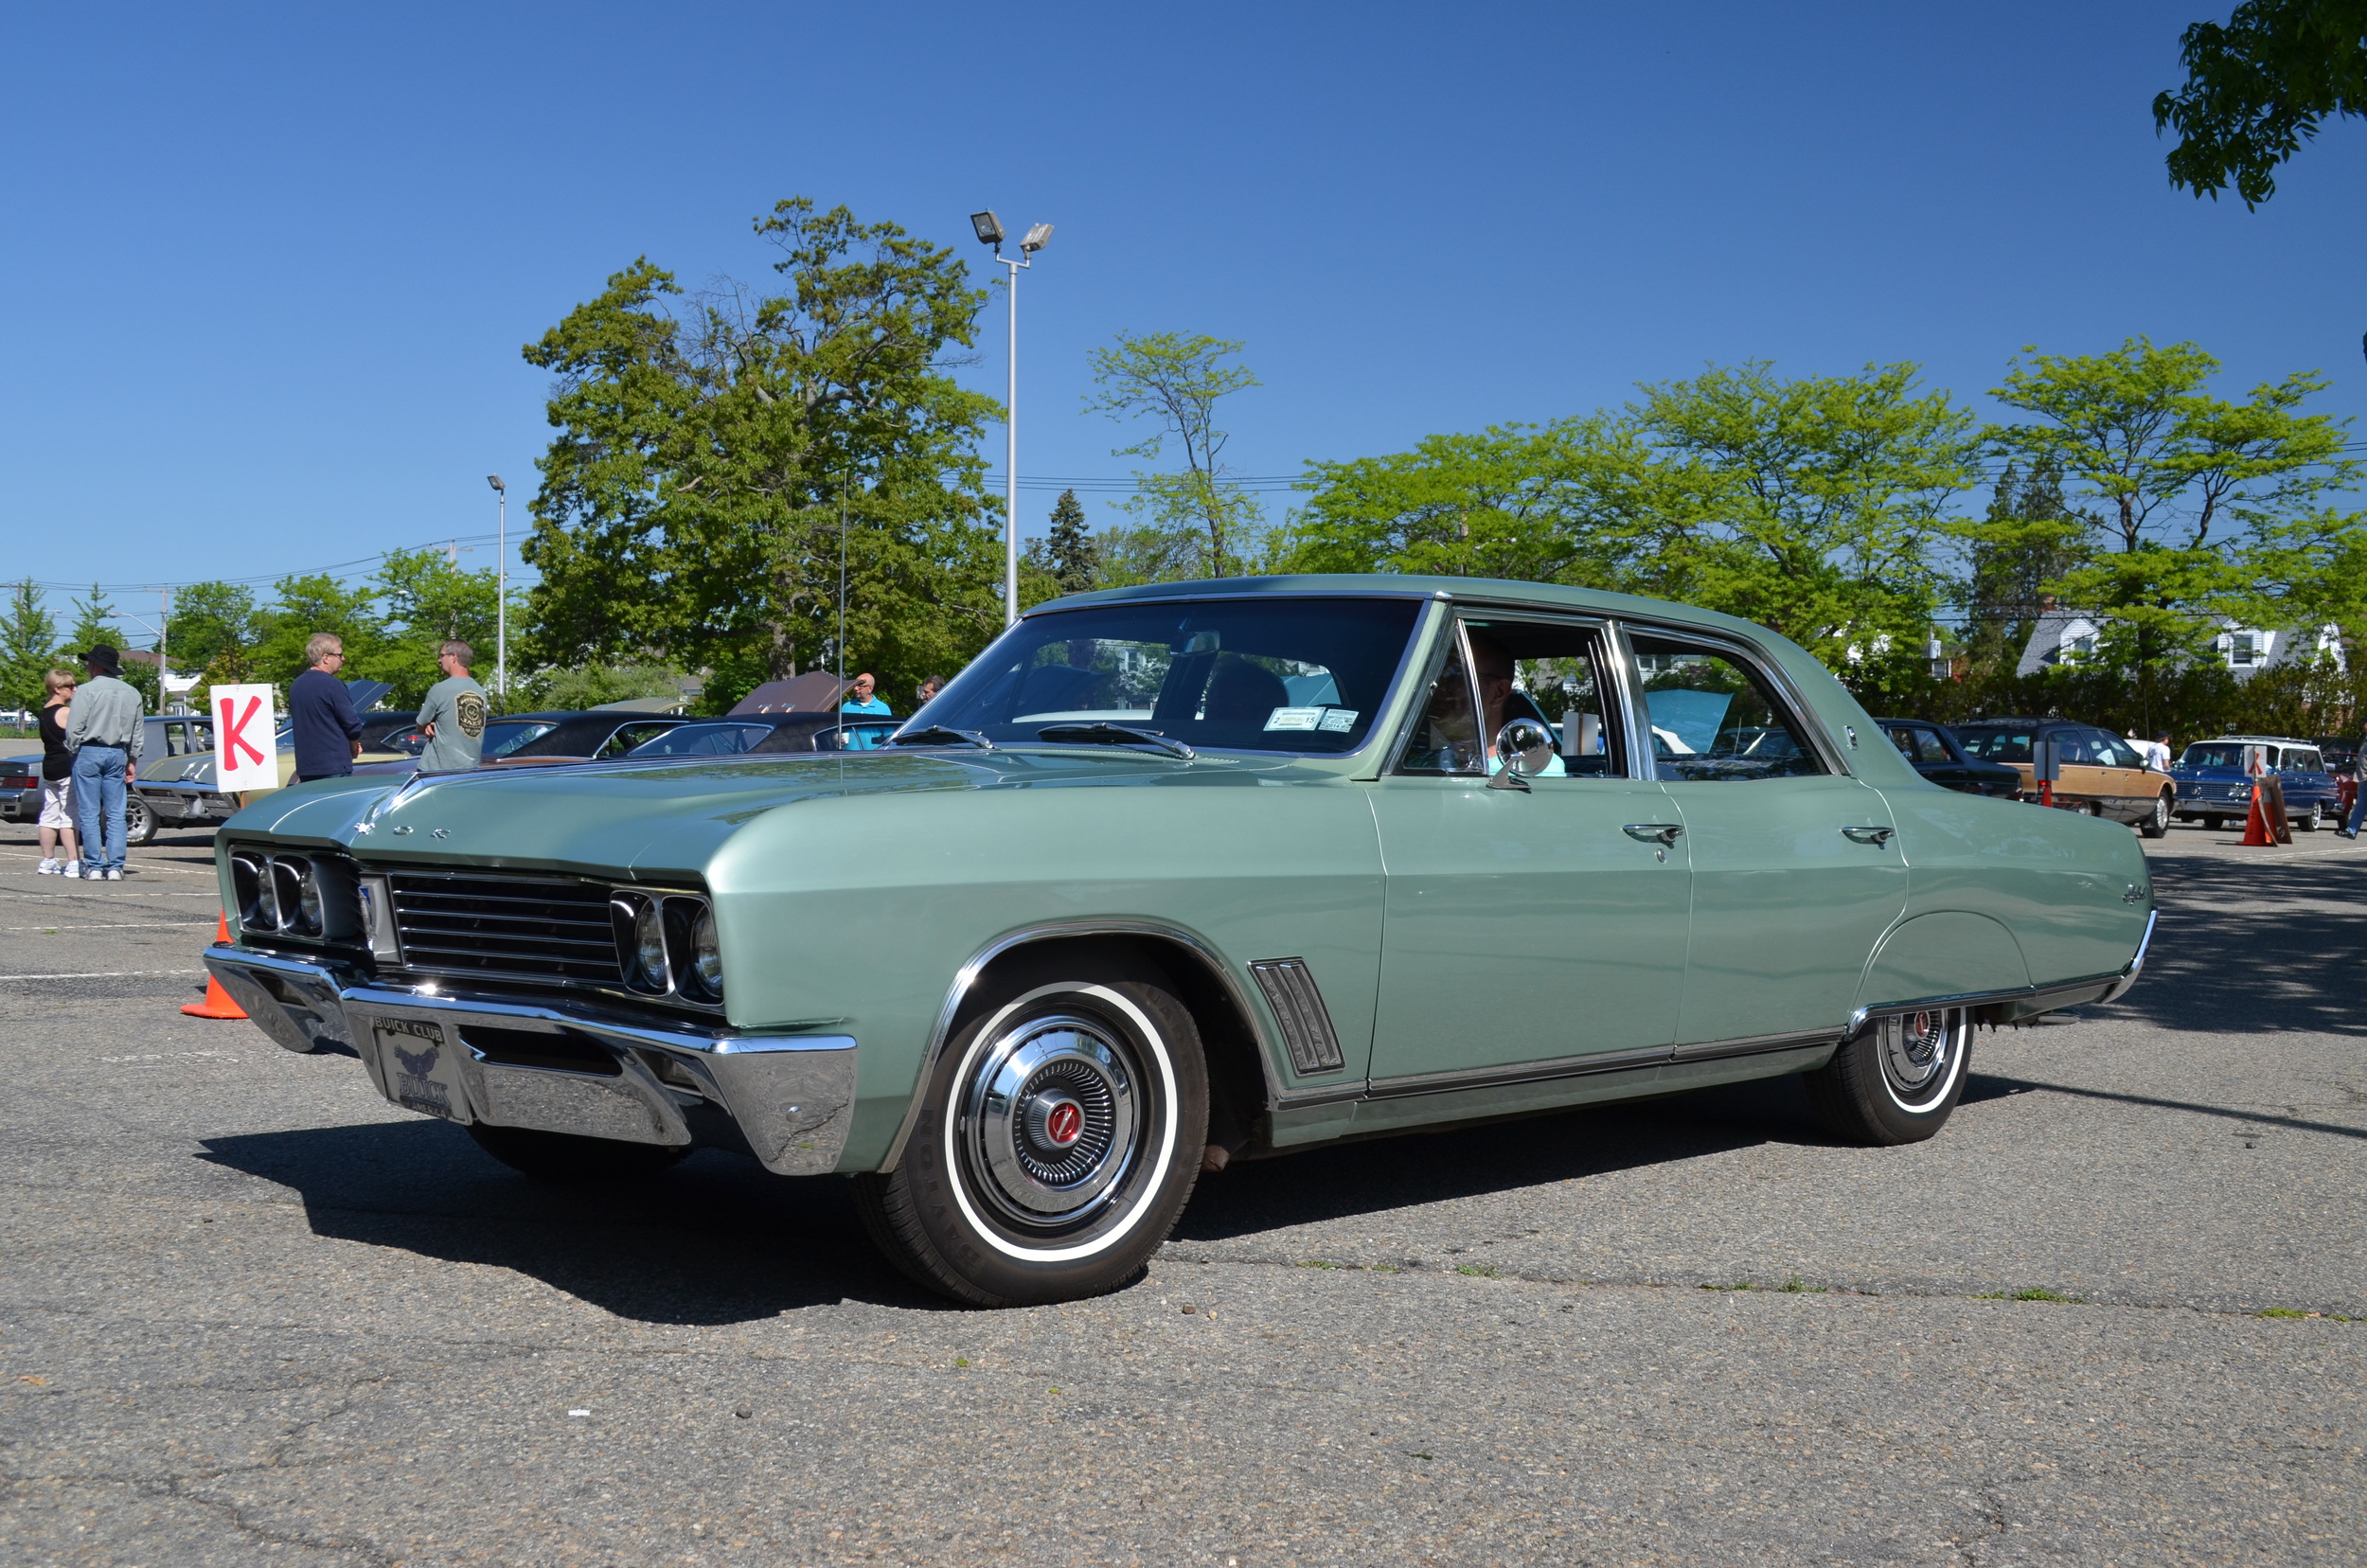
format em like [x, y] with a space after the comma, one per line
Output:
[252, 1313]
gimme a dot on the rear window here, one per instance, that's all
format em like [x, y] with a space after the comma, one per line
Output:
[501, 739]
[704, 741]
[2003, 744]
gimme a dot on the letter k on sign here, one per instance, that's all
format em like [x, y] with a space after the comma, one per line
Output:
[242, 755]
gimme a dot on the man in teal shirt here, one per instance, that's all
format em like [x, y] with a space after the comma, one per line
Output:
[860, 699]
[452, 717]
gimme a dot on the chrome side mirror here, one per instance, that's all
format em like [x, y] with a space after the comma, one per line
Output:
[1524, 747]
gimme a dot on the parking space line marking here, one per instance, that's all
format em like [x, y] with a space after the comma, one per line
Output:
[166, 924]
[102, 975]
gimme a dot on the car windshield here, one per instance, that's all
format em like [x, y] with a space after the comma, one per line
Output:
[503, 738]
[716, 739]
[1254, 674]
[1996, 745]
[2213, 754]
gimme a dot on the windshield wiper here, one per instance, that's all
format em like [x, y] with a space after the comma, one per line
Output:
[1116, 735]
[938, 735]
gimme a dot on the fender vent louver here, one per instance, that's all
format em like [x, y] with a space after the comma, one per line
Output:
[1290, 990]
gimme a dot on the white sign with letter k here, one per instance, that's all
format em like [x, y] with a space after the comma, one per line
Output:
[244, 755]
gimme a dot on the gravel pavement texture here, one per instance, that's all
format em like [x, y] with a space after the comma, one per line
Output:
[2115, 1312]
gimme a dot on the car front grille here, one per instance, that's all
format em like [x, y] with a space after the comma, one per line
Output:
[525, 927]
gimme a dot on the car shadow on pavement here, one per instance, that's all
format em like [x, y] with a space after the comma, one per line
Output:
[716, 1239]
[2292, 962]
[1404, 1170]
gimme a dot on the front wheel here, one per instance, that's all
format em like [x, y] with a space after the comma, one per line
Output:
[1058, 1139]
[2315, 820]
[1899, 1079]
[2157, 821]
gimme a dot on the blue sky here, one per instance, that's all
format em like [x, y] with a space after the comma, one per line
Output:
[271, 267]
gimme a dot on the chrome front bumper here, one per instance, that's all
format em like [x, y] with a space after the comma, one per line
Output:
[470, 1058]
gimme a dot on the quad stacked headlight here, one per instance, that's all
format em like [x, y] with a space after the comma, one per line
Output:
[304, 896]
[666, 944]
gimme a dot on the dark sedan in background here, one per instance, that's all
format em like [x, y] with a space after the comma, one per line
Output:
[1936, 754]
[564, 736]
[771, 732]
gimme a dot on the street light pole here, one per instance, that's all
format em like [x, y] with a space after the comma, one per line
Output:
[501, 585]
[990, 229]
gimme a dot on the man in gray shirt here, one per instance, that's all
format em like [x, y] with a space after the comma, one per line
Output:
[452, 717]
[105, 734]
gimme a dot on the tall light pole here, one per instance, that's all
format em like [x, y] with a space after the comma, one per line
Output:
[990, 229]
[501, 585]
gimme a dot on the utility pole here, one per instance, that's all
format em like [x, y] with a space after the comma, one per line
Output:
[989, 230]
[164, 642]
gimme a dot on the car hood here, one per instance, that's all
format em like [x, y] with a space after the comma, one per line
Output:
[670, 815]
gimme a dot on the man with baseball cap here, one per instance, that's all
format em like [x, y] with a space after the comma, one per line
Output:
[105, 733]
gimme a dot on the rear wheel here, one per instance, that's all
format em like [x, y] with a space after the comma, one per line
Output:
[1059, 1137]
[1899, 1079]
[139, 822]
[2157, 821]
[566, 1157]
[2212, 823]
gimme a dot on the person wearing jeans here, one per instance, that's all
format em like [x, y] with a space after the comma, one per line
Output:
[105, 733]
[2359, 801]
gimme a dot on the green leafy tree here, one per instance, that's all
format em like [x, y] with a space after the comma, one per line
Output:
[2016, 556]
[594, 684]
[1196, 516]
[28, 647]
[1069, 547]
[1812, 505]
[2257, 87]
[317, 602]
[214, 624]
[426, 600]
[2186, 488]
[711, 465]
[94, 623]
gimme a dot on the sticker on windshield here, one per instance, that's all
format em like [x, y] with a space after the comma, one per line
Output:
[1337, 721]
[1294, 719]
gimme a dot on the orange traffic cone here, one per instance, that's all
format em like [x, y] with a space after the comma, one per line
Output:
[217, 1003]
[2256, 828]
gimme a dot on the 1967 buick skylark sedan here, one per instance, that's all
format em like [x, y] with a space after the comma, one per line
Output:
[1172, 876]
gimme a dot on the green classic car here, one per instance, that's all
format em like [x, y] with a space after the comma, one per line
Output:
[1177, 875]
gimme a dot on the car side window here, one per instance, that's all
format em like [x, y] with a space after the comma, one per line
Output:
[2113, 752]
[1445, 735]
[629, 735]
[2073, 747]
[2298, 760]
[1917, 744]
[1714, 717]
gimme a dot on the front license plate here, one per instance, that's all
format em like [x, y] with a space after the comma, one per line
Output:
[417, 1062]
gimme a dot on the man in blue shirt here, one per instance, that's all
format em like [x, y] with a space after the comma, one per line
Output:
[328, 731]
[860, 699]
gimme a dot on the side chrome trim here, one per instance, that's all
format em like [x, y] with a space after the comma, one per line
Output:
[1710, 1050]
[966, 979]
[1524, 1072]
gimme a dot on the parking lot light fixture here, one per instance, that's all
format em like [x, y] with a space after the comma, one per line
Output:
[990, 229]
[501, 585]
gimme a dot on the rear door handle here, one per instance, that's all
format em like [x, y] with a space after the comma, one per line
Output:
[1663, 833]
[1876, 836]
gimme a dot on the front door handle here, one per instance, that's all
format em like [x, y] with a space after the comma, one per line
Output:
[1876, 836]
[1662, 833]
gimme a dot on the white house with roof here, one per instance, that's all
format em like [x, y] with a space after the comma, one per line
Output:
[2067, 637]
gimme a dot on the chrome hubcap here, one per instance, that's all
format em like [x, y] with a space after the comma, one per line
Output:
[1919, 1051]
[1051, 1119]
